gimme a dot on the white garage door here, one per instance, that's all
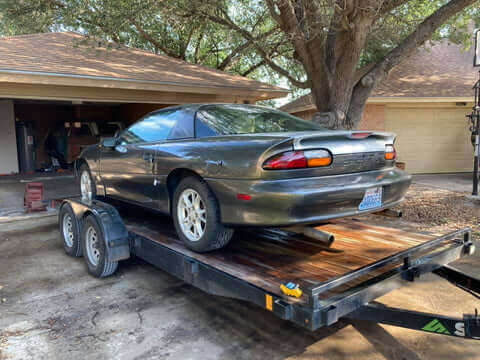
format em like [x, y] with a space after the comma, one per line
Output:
[435, 140]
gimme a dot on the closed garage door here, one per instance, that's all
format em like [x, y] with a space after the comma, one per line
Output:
[435, 140]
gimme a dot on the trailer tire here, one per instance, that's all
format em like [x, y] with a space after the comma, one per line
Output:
[214, 234]
[93, 242]
[70, 231]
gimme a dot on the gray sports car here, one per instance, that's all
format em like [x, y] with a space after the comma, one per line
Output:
[214, 167]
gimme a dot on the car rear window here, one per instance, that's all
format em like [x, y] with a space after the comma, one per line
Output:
[247, 119]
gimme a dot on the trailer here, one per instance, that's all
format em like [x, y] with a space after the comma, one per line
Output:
[298, 278]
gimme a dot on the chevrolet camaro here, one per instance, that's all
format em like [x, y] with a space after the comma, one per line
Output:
[214, 167]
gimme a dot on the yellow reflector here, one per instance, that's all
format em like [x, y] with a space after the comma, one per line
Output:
[269, 302]
[319, 162]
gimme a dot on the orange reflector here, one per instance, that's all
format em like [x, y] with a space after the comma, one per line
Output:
[390, 156]
[319, 162]
[269, 302]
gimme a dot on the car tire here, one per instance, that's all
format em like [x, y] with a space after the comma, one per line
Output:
[69, 231]
[199, 233]
[94, 250]
[87, 185]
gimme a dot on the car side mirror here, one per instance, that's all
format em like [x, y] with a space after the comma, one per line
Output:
[110, 142]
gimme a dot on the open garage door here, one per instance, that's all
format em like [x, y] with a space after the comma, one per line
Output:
[432, 140]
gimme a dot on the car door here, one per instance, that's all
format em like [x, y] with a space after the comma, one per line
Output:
[127, 170]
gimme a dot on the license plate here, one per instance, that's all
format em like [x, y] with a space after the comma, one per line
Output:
[372, 199]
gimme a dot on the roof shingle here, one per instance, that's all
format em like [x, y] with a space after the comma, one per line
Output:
[440, 71]
[62, 53]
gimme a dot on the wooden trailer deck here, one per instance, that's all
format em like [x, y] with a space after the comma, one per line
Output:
[269, 257]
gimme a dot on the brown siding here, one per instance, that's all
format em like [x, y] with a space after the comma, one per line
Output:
[373, 117]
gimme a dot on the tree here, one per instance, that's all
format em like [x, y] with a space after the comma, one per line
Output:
[339, 49]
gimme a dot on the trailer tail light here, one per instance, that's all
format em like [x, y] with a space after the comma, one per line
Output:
[298, 160]
[390, 152]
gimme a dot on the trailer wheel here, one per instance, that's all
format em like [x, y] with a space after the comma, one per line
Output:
[69, 231]
[95, 254]
[196, 216]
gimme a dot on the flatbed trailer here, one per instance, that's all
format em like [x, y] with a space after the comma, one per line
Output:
[335, 281]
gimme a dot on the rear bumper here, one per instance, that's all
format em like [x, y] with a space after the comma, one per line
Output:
[307, 200]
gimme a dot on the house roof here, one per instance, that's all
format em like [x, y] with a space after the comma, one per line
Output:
[63, 55]
[440, 71]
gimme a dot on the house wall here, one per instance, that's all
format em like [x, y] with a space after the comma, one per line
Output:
[373, 117]
[8, 141]
[432, 137]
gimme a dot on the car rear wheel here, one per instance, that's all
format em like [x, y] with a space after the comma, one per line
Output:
[196, 216]
[87, 185]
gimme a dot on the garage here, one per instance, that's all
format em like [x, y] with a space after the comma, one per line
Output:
[431, 140]
[60, 93]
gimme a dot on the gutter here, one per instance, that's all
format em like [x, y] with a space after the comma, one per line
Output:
[138, 81]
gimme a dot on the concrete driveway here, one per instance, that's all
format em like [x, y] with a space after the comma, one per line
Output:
[56, 186]
[459, 182]
[52, 309]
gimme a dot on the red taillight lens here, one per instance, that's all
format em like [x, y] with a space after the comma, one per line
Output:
[390, 152]
[286, 160]
[360, 135]
[299, 160]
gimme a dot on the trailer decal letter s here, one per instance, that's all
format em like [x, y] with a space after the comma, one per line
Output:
[460, 329]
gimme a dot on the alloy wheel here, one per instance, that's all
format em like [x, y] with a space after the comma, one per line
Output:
[86, 186]
[192, 214]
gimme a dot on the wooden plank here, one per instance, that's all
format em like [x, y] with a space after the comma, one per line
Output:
[269, 257]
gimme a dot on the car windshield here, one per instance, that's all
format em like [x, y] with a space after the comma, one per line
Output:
[248, 119]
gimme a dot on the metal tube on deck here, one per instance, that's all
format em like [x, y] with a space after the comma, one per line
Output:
[313, 233]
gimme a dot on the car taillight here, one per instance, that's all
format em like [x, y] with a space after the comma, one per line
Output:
[390, 152]
[286, 160]
[298, 160]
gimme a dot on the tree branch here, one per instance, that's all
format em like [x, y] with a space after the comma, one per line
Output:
[249, 37]
[379, 71]
[151, 40]
[239, 49]
[389, 5]
[253, 67]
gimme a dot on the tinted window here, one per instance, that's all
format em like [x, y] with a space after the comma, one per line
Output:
[244, 119]
[154, 127]
[184, 127]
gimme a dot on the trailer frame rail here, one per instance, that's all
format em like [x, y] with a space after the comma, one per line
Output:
[349, 296]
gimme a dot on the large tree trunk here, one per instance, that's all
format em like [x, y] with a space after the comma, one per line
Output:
[338, 92]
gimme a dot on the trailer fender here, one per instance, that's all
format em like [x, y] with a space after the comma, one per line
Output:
[113, 229]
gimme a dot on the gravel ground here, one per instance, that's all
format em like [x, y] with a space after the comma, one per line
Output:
[439, 210]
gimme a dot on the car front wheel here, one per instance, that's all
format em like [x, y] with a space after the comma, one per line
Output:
[87, 186]
[196, 217]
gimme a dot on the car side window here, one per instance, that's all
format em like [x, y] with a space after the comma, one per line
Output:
[154, 127]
